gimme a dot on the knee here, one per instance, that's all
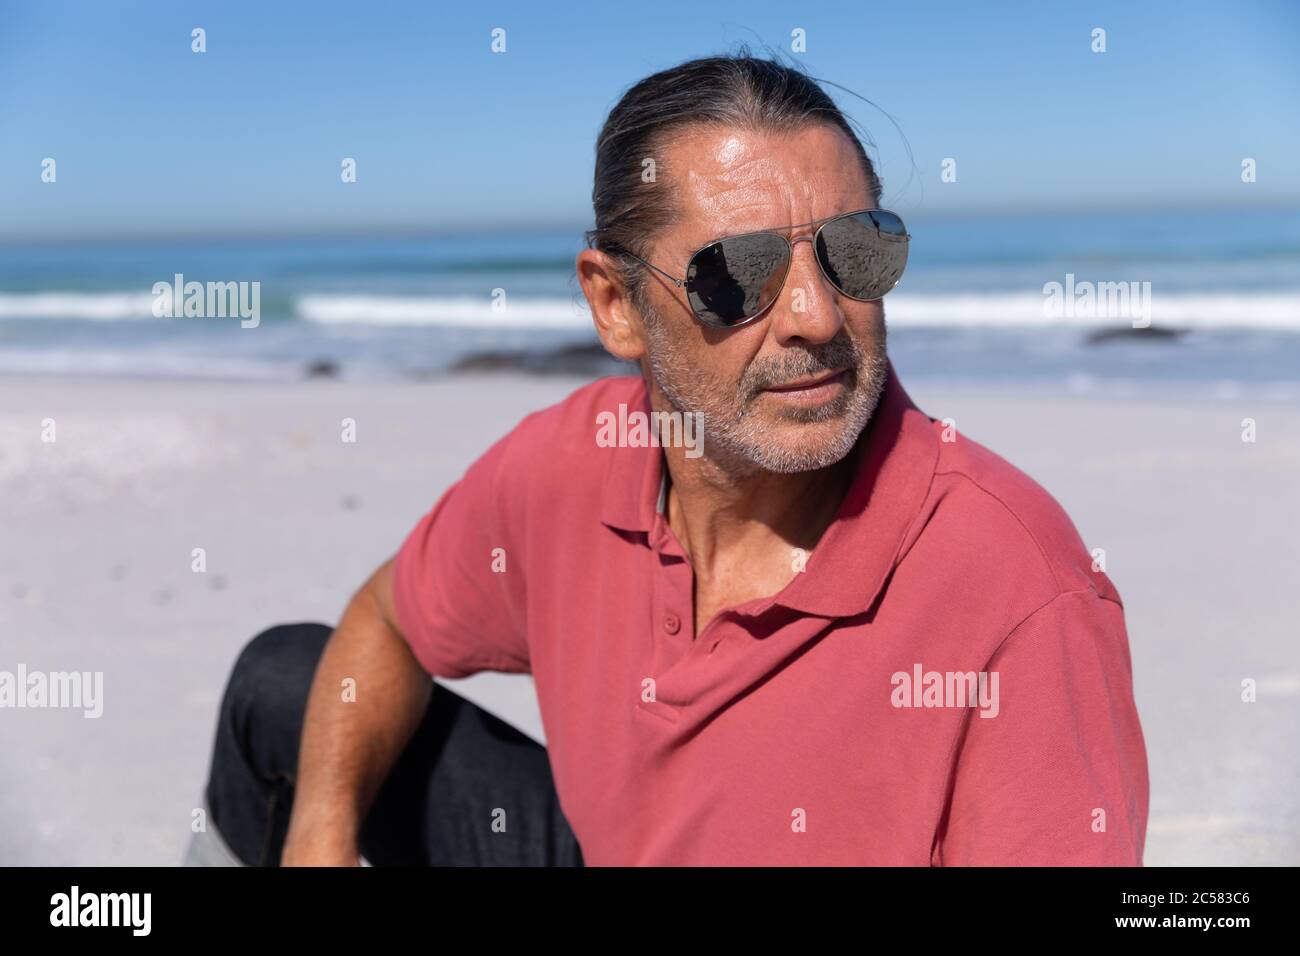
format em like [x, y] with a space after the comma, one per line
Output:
[276, 666]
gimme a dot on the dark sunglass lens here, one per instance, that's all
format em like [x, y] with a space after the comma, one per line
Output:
[887, 223]
[736, 278]
[864, 254]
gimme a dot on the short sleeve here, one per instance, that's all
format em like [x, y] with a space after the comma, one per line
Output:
[457, 580]
[1058, 775]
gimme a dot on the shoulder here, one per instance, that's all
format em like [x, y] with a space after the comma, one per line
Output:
[549, 464]
[1017, 524]
[568, 428]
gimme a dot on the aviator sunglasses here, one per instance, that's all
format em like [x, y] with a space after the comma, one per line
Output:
[732, 281]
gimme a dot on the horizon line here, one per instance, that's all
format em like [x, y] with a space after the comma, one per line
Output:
[334, 231]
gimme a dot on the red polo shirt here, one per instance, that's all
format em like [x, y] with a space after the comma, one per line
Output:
[832, 723]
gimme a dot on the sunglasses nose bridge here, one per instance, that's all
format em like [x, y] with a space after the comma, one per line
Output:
[810, 238]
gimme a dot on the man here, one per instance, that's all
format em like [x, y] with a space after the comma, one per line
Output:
[833, 632]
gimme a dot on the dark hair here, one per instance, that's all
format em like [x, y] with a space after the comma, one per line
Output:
[722, 91]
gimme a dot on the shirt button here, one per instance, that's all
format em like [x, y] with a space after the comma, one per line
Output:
[672, 623]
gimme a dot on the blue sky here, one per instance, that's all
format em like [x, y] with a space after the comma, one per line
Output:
[246, 139]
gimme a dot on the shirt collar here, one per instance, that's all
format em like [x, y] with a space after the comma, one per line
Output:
[635, 480]
[896, 457]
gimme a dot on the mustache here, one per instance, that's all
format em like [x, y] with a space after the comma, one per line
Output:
[834, 356]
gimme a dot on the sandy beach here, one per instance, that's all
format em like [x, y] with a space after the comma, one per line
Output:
[100, 527]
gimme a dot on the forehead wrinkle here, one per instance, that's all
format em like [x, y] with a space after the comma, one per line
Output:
[713, 214]
[734, 221]
[739, 188]
[741, 205]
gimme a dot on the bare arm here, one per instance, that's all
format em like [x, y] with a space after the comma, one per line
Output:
[349, 746]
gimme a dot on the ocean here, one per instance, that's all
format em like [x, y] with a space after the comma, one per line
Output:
[1203, 302]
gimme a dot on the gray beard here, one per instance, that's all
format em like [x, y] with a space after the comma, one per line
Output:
[735, 441]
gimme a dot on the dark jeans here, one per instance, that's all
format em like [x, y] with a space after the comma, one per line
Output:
[437, 806]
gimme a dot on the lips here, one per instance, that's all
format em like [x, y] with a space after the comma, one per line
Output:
[807, 384]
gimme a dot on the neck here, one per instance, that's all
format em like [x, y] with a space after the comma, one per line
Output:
[715, 512]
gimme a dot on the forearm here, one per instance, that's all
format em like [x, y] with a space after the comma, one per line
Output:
[367, 698]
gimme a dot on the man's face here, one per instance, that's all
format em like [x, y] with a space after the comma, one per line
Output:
[792, 390]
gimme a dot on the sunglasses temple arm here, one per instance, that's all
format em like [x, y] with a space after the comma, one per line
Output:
[673, 279]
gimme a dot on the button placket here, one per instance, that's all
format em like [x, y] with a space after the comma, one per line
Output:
[670, 625]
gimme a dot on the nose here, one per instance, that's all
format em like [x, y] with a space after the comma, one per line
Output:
[808, 311]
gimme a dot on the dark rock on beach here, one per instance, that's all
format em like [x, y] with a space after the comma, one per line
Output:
[322, 368]
[570, 360]
[1125, 333]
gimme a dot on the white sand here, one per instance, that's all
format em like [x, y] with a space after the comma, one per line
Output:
[97, 531]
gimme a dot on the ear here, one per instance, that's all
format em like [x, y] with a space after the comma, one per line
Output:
[616, 319]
